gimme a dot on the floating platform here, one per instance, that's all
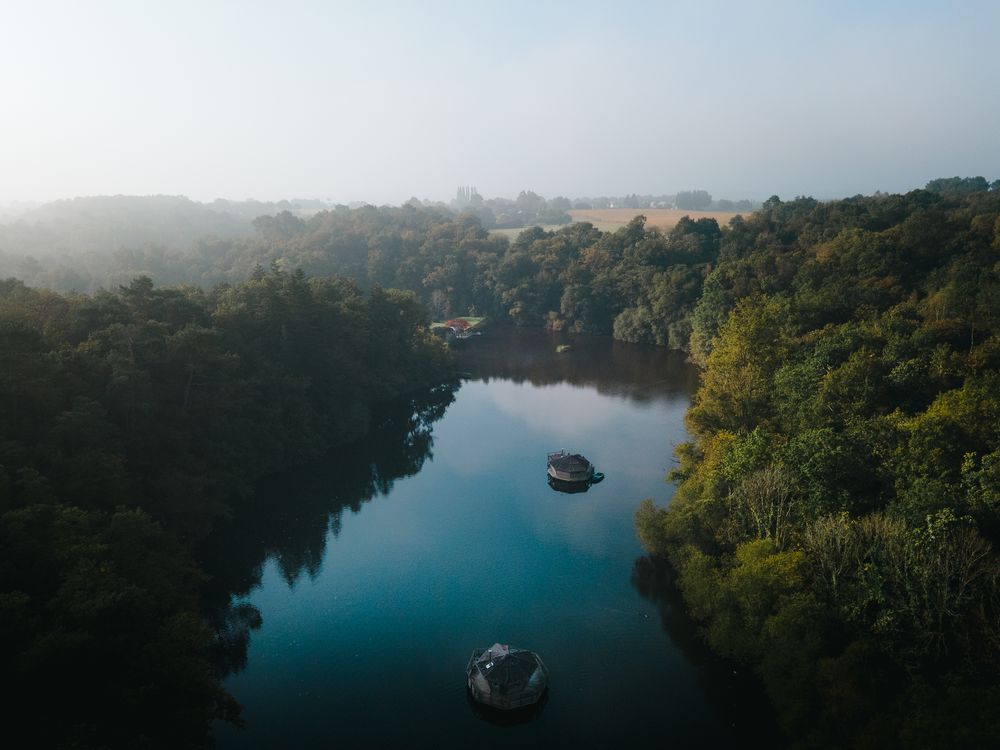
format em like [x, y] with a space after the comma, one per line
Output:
[505, 677]
[569, 467]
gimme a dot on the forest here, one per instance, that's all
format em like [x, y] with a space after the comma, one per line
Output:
[837, 514]
[133, 423]
[638, 284]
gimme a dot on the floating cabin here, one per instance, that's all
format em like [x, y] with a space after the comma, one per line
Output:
[505, 677]
[570, 467]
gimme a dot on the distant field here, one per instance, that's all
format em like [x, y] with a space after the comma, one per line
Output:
[511, 234]
[610, 219]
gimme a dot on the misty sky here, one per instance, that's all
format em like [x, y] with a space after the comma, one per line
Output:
[381, 101]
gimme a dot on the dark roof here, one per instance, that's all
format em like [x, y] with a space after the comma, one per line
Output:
[510, 669]
[571, 462]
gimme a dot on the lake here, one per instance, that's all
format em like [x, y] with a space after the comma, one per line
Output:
[351, 602]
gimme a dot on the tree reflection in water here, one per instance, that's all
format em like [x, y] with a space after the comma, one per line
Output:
[735, 694]
[293, 514]
[615, 368]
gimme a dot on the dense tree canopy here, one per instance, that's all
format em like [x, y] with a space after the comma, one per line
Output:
[837, 517]
[130, 422]
[637, 284]
[693, 200]
[838, 510]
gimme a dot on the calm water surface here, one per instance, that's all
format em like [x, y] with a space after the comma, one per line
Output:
[352, 601]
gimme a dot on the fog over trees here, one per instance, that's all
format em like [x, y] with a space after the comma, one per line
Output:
[803, 199]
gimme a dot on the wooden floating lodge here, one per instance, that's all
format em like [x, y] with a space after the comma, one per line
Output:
[570, 467]
[505, 677]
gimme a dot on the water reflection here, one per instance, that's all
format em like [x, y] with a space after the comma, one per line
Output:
[614, 368]
[295, 513]
[497, 717]
[569, 488]
[474, 548]
[736, 693]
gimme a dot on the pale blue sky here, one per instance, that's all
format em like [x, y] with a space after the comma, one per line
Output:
[381, 101]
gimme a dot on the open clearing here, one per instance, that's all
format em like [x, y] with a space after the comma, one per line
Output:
[511, 233]
[610, 219]
[613, 219]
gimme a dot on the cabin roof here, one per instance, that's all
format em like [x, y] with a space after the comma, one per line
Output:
[568, 462]
[507, 666]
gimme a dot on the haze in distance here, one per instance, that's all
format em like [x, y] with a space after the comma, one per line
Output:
[352, 101]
